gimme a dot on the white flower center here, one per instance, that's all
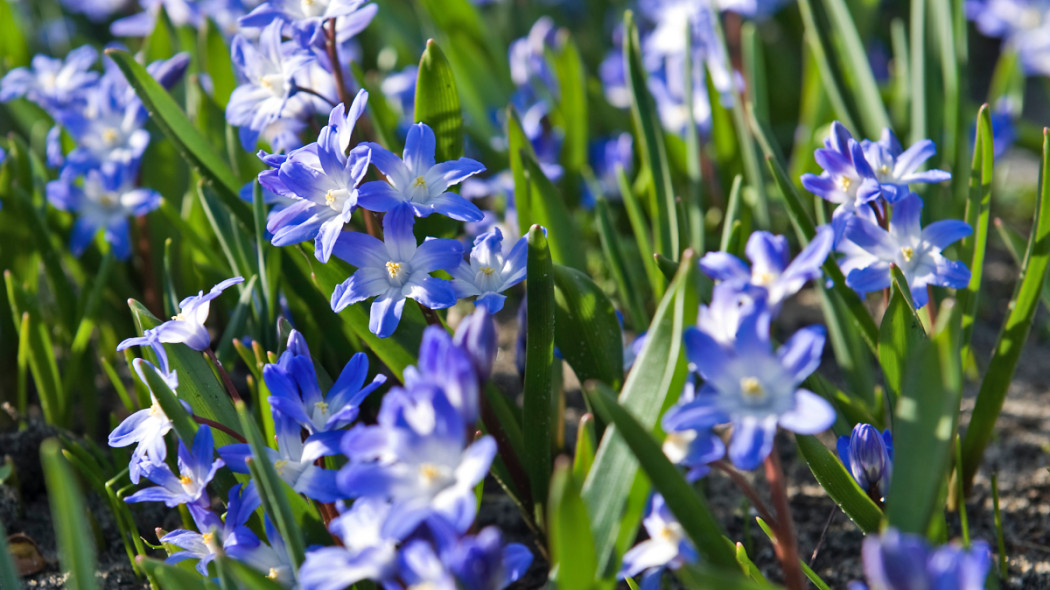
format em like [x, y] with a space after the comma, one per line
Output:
[110, 136]
[907, 252]
[274, 83]
[752, 389]
[845, 183]
[336, 198]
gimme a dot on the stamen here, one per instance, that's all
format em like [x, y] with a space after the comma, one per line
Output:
[393, 269]
[907, 252]
[751, 387]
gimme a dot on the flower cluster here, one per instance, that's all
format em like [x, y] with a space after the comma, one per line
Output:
[877, 222]
[899, 561]
[100, 113]
[1024, 26]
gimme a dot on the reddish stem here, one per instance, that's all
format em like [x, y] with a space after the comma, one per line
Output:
[331, 44]
[220, 426]
[737, 478]
[786, 546]
[230, 388]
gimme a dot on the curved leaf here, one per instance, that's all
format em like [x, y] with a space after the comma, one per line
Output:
[586, 329]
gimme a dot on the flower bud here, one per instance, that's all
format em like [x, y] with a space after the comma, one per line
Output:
[868, 456]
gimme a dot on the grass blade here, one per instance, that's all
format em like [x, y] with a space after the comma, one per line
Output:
[539, 365]
[76, 549]
[977, 215]
[572, 546]
[630, 294]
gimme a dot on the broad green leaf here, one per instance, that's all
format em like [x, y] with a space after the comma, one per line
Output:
[247, 577]
[587, 332]
[651, 144]
[901, 332]
[924, 423]
[688, 506]
[839, 484]
[569, 532]
[181, 421]
[652, 386]
[977, 215]
[548, 209]
[191, 144]
[539, 360]
[161, 43]
[14, 51]
[76, 549]
[586, 442]
[1014, 333]
[437, 102]
[272, 489]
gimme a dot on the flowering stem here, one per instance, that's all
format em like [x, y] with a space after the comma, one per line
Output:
[737, 478]
[337, 67]
[786, 546]
[372, 225]
[931, 308]
[220, 426]
[230, 388]
[314, 93]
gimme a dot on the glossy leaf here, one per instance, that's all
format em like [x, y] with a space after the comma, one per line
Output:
[901, 332]
[548, 209]
[587, 332]
[76, 548]
[839, 484]
[572, 549]
[978, 216]
[539, 360]
[437, 102]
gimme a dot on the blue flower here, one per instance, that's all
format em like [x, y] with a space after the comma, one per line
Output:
[394, 270]
[196, 470]
[421, 567]
[187, 326]
[870, 250]
[847, 180]
[693, 448]
[353, 15]
[370, 536]
[606, 157]
[450, 368]
[323, 180]
[754, 388]
[489, 272]
[268, 71]
[770, 270]
[140, 24]
[294, 391]
[53, 84]
[417, 181]
[476, 334]
[868, 456]
[145, 428]
[895, 168]
[667, 546]
[151, 338]
[1022, 24]
[294, 459]
[483, 562]
[418, 458]
[897, 561]
[104, 201]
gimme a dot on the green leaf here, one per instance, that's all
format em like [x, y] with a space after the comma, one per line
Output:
[820, 47]
[652, 386]
[901, 332]
[839, 484]
[246, 576]
[171, 577]
[272, 489]
[216, 57]
[586, 441]
[571, 109]
[437, 102]
[630, 293]
[640, 229]
[181, 421]
[977, 215]
[1014, 333]
[539, 364]
[651, 144]
[571, 544]
[924, 422]
[9, 577]
[549, 210]
[76, 548]
[690, 509]
[14, 51]
[587, 331]
[191, 144]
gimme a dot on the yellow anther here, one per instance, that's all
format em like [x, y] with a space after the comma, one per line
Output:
[487, 270]
[322, 406]
[907, 252]
[751, 387]
[272, 573]
[764, 278]
[185, 480]
[429, 473]
[420, 181]
[108, 199]
[207, 538]
[329, 198]
[155, 410]
[109, 135]
[845, 182]
[279, 466]
[393, 269]
[884, 170]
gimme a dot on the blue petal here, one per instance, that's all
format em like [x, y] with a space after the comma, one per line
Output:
[420, 146]
[752, 441]
[385, 313]
[723, 266]
[945, 232]
[812, 414]
[801, 354]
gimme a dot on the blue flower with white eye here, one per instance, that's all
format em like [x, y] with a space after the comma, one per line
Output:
[900, 561]
[870, 250]
[770, 269]
[754, 388]
[417, 181]
[895, 168]
[145, 428]
[393, 270]
[847, 179]
[196, 470]
[53, 84]
[667, 546]
[294, 459]
[1022, 24]
[140, 24]
[187, 327]
[104, 201]
[476, 334]
[294, 391]
[323, 180]
[685, 445]
[489, 272]
[370, 535]
[151, 338]
[353, 15]
[268, 70]
[418, 458]
[868, 456]
[483, 562]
